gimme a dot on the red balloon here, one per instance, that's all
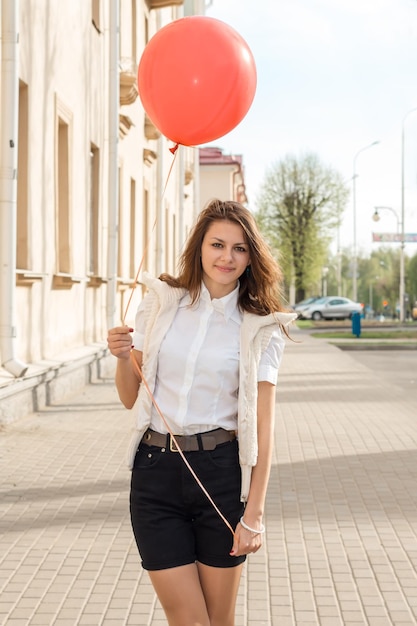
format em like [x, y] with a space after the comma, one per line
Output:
[196, 79]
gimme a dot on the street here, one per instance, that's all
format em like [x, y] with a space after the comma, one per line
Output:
[398, 367]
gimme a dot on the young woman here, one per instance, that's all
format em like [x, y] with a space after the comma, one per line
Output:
[208, 344]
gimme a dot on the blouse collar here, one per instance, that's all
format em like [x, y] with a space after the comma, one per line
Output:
[227, 305]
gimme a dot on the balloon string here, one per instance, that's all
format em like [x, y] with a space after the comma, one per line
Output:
[136, 281]
[199, 483]
[139, 371]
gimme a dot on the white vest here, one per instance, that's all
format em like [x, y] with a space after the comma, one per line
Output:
[255, 334]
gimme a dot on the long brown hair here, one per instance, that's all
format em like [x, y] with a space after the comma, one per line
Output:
[260, 285]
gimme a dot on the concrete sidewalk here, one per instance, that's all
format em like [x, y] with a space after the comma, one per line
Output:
[341, 540]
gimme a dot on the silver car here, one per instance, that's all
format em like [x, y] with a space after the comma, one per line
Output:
[303, 304]
[331, 308]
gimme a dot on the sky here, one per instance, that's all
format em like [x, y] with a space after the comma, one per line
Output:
[333, 77]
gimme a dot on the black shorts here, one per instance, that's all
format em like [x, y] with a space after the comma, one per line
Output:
[173, 521]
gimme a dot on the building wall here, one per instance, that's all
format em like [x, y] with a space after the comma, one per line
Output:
[63, 201]
[217, 181]
[221, 176]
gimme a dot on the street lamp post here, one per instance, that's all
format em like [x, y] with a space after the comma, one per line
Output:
[355, 251]
[402, 261]
[376, 216]
[400, 230]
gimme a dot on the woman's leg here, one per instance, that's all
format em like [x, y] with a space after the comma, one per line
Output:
[220, 586]
[181, 596]
[198, 595]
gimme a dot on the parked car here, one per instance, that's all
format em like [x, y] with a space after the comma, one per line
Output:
[303, 304]
[330, 307]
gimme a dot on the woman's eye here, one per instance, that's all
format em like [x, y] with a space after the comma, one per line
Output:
[217, 245]
[240, 249]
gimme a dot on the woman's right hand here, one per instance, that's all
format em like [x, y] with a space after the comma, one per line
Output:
[119, 341]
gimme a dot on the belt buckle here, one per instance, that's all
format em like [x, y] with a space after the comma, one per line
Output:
[172, 446]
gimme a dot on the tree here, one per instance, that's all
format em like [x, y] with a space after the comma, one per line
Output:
[412, 280]
[379, 279]
[300, 204]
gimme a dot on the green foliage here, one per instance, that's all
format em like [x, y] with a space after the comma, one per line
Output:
[369, 334]
[300, 205]
[411, 280]
[378, 278]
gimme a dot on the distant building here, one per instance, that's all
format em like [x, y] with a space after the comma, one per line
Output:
[221, 176]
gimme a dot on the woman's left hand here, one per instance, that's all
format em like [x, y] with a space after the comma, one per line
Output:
[245, 542]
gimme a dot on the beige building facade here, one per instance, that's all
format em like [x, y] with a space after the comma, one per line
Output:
[89, 190]
[221, 175]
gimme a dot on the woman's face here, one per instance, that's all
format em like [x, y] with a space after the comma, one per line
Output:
[224, 257]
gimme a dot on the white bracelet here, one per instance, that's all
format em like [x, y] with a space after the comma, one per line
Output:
[252, 530]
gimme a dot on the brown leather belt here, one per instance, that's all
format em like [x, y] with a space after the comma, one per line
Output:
[189, 443]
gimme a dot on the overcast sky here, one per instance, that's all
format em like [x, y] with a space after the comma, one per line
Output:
[333, 77]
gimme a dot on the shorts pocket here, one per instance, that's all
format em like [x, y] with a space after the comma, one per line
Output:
[147, 457]
[225, 456]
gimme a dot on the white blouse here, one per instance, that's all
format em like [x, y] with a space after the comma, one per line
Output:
[197, 379]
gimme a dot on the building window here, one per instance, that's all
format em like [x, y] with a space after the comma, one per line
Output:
[168, 242]
[63, 189]
[23, 260]
[146, 29]
[134, 32]
[93, 223]
[174, 239]
[132, 227]
[95, 14]
[120, 222]
[145, 240]
[127, 228]
[170, 260]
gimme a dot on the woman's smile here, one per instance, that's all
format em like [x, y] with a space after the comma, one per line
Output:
[224, 269]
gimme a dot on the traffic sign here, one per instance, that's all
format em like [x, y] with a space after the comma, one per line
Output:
[394, 237]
